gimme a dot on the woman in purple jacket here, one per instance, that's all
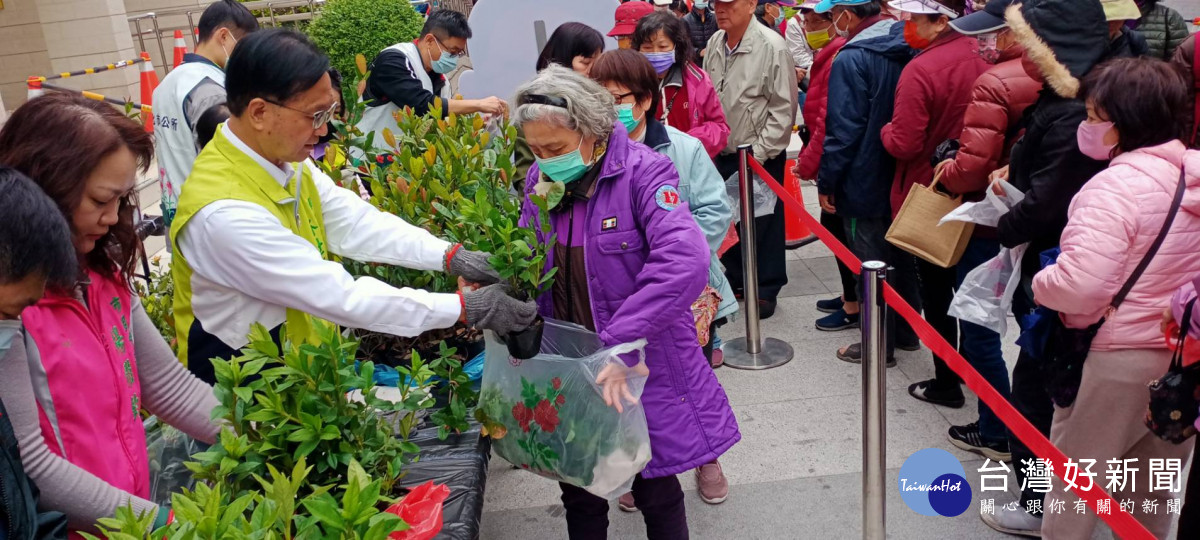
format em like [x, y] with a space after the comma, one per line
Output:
[631, 260]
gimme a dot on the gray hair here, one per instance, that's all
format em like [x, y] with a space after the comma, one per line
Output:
[589, 106]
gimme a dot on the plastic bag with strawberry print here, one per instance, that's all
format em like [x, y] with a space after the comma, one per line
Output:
[550, 416]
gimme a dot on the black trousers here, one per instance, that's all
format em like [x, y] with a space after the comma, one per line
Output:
[833, 222]
[937, 291]
[660, 500]
[1189, 519]
[1030, 398]
[769, 234]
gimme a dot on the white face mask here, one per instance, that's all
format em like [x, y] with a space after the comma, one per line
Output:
[9, 331]
[226, 51]
[839, 31]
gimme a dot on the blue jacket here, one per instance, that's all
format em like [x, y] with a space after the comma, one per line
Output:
[855, 167]
[704, 190]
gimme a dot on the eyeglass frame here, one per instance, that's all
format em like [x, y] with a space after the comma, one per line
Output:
[444, 50]
[319, 118]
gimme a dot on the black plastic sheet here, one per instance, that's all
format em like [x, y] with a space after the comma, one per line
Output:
[461, 463]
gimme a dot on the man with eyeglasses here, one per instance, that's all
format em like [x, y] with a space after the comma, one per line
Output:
[189, 90]
[413, 75]
[259, 223]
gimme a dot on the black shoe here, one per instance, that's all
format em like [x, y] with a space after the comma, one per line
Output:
[766, 308]
[910, 347]
[838, 320]
[925, 391]
[853, 355]
[831, 305]
[968, 438]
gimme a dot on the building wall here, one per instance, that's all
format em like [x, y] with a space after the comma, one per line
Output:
[40, 37]
[22, 49]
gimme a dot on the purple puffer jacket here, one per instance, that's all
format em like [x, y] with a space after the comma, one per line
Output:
[645, 266]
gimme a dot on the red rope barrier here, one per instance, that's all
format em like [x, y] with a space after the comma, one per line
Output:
[1121, 522]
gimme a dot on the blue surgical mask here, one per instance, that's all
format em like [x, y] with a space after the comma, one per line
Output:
[566, 168]
[625, 115]
[9, 332]
[662, 61]
[446, 63]
[700, 4]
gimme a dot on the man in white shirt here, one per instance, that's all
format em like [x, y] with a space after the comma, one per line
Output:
[191, 89]
[257, 224]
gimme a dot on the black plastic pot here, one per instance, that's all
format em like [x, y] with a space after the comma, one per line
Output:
[527, 343]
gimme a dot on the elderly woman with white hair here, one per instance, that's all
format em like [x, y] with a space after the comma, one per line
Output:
[631, 261]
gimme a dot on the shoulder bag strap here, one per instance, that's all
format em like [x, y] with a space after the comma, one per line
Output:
[1162, 235]
[1195, 89]
[1184, 326]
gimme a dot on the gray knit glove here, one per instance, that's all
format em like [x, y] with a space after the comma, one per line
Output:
[491, 308]
[472, 266]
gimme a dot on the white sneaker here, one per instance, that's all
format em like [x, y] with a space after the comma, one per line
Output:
[1013, 519]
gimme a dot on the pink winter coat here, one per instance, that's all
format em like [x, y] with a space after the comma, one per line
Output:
[1111, 223]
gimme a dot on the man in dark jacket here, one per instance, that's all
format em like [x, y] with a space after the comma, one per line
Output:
[1063, 40]
[35, 248]
[931, 99]
[702, 24]
[855, 176]
[1163, 27]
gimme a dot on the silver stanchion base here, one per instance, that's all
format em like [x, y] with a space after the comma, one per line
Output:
[774, 353]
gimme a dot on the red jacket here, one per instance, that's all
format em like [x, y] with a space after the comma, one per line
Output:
[689, 103]
[998, 100]
[931, 99]
[814, 109]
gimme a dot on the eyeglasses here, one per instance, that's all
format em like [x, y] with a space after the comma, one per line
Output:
[319, 118]
[617, 98]
[452, 54]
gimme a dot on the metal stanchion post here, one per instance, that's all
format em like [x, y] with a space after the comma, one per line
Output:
[752, 351]
[874, 368]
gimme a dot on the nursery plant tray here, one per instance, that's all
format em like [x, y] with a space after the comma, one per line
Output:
[461, 463]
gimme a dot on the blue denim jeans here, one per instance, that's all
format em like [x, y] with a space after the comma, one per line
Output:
[981, 346]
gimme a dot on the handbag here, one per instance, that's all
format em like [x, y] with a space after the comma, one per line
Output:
[1172, 412]
[1067, 348]
[916, 228]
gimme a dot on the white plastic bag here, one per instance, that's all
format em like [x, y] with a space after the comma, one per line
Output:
[764, 197]
[985, 296]
[547, 414]
[988, 211]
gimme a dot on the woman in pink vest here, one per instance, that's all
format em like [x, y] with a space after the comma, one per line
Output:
[76, 384]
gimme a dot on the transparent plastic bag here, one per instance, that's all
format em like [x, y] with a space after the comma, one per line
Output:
[168, 449]
[986, 294]
[547, 414]
[988, 211]
[764, 197]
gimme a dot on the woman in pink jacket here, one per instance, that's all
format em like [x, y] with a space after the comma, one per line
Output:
[90, 360]
[689, 101]
[1133, 110]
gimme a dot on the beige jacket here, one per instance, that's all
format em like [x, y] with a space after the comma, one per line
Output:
[757, 86]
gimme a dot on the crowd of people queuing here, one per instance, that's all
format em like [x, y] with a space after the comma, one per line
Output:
[1087, 107]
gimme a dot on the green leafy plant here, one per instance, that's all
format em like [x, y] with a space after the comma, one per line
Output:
[345, 28]
[287, 406]
[276, 511]
[157, 296]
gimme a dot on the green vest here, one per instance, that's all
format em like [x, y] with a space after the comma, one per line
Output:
[223, 172]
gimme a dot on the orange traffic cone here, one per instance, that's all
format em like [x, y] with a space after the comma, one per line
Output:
[180, 49]
[33, 86]
[149, 82]
[796, 233]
